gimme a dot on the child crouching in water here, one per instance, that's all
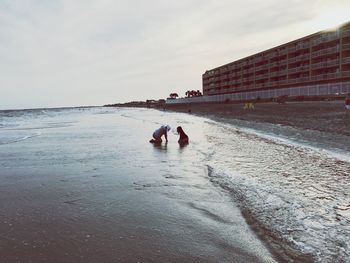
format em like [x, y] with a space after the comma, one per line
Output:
[157, 135]
[183, 136]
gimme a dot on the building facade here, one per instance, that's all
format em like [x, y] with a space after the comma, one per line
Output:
[302, 67]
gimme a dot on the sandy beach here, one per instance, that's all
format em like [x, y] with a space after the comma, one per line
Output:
[85, 185]
[327, 116]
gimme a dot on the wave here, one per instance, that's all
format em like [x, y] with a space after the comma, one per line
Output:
[281, 248]
[19, 139]
[335, 153]
[42, 127]
[295, 197]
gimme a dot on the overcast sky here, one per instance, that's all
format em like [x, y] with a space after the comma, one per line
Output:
[92, 52]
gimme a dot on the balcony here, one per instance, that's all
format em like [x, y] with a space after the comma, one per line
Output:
[326, 38]
[292, 60]
[282, 52]
[346, 73]
[247, 79]
[258, 68]
[238, 74]
[263, 76]
[325, 64]
[325, 52]
[223, 70]
[275, 73]
[261, 85]
[234, 77]
[291, 48]
[326, 76]
[346, 47]
[282, 73]
[346, 60]
[346, 33]
[237, 69]
[275, 82]
[269, 55]
[303, 79]
[282, 62]
[298, 69]
[302, 46]
[299, 58]
[298, 80]
[258, 59]
[304, 57]
[292, 81]
[293, 70]
[334, 62]
[284, 81]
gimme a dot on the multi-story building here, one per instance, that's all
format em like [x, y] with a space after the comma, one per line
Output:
[318, 64]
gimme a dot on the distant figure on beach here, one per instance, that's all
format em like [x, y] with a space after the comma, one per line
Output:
[248, 105]
[157, 135]
[183, 136]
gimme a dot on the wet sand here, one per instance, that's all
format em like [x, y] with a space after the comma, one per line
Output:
[69, 221]
[79, 193]
[326, 116]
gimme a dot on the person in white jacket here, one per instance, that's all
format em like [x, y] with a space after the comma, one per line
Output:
[157, 135]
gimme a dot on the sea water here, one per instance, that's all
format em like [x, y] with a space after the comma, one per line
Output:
[294, 194]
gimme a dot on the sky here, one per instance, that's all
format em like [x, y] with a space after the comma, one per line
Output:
[93, 52]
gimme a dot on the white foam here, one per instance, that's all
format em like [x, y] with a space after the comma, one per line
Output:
[290, 187]
[281, 139]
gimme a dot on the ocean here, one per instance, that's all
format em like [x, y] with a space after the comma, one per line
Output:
[67, 174]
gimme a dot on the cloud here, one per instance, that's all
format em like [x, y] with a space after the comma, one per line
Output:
[88, 52]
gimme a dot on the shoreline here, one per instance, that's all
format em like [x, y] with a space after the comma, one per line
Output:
[173, 215]
[329, 119]
[325, 116]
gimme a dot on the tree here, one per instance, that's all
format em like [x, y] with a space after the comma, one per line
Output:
[193, 93]
[173, 95]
